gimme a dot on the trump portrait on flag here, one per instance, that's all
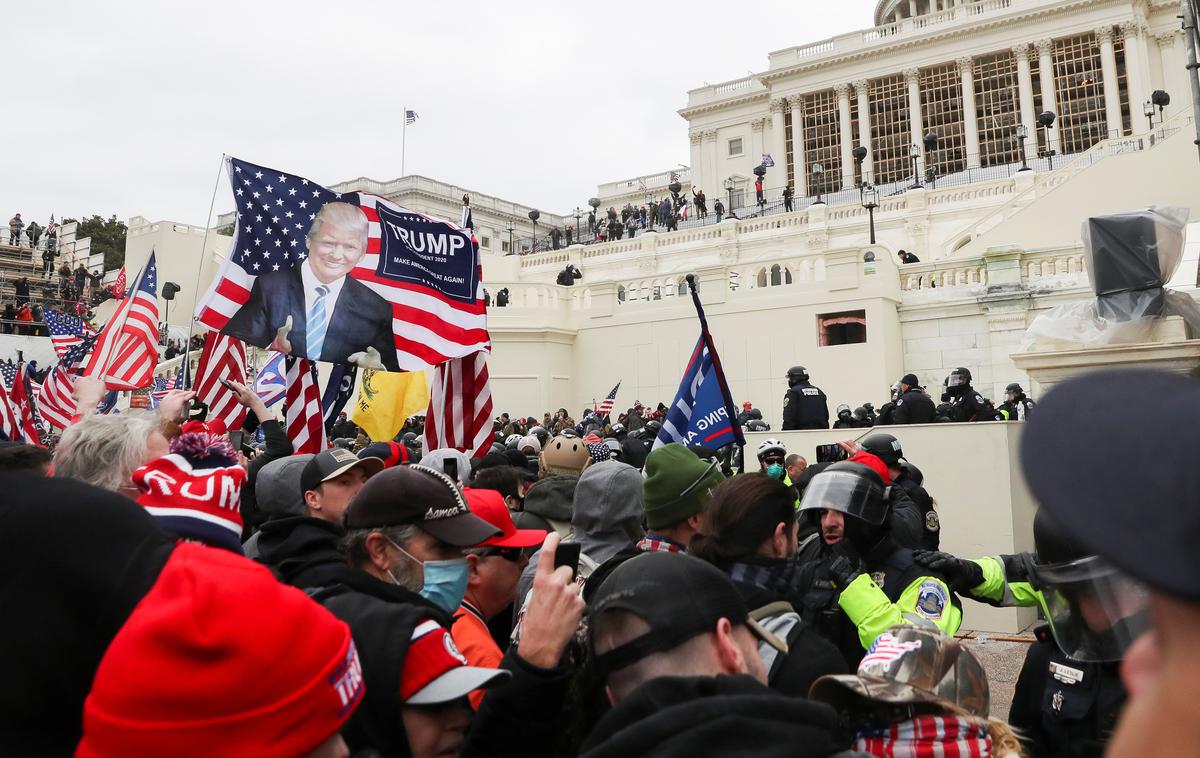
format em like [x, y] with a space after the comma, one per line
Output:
[314, 309]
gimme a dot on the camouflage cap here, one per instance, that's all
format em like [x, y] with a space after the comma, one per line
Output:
[911, 664]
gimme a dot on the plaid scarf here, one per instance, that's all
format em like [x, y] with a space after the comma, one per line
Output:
[654, 544]
[773, 574]
[927, 737]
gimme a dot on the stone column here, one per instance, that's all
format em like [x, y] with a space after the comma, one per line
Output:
[966, 71]
[1108, 69]
[861, 89]
[1045, 48]
[778, 142]
[912, 8]
[712, 164]
[1028, 116]
[756, 140]
[912, 77]
[1135, 71]
[700, 177]
[1172, 61]
[799, 160]
[844, 136]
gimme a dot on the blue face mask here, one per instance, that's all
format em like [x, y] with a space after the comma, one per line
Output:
[445, 583]
[775, 471]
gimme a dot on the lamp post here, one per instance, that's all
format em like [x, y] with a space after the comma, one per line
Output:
[914, 152]
[534, 215]
[818, 171]
[1022, 135]
[870, 201]
[1148, 112]
[931, 142]
[1161, 99]
[1045, 120]
[509, 228]
[860, 154]
[729, 185]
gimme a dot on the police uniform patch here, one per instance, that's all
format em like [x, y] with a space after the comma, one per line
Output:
[899, 403]
[931, 599]
[878, 577]
[932, 523]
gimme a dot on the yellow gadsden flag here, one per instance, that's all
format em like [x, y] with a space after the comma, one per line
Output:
[386, 398]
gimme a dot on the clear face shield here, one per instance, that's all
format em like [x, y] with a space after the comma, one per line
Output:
[957, 380]
[846, 493]
[1095, 610]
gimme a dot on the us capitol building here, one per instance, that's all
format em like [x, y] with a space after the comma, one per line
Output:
[932, 115]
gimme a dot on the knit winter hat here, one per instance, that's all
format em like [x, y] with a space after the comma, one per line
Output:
[183, 677]
[677, 485]
[194, 492]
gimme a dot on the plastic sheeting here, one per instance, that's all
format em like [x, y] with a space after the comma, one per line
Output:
[1130, 256]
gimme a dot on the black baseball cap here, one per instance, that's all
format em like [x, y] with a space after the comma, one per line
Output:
[1143, 515]
[423, 497]
[678, 596]
[334, 462]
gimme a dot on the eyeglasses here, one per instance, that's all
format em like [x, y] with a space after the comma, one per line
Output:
[507, 553]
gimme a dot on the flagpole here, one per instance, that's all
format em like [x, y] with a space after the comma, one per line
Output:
[187, 346]
[712, 351]
[403, 135]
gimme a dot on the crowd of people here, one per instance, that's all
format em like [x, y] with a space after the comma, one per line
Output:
[576, 589]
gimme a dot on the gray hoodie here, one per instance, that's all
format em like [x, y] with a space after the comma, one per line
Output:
[606, 516]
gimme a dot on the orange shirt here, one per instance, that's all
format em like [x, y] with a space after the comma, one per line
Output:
[471, 636]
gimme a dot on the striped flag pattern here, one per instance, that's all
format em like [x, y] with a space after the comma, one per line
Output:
[66, 331]
[460, 406]
[223, 357]
[606, 405]
[305, 425]
[429, 326]
[21, 405]
[885, 651]
[127, 350]
[55, 402]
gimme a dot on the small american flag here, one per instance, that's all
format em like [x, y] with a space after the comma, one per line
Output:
[66, 331]
[162, 385]
[223, 357]
[52, 227]
[117, 288]
[642, 185]
[410, 117]
[127, 349]
[606, 405]
[16, 411]
[55, 402]
[460, 406]
[305, 424]
[8, 373]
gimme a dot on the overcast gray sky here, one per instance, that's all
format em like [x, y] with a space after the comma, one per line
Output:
[126, 107]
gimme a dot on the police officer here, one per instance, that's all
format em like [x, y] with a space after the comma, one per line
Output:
[1016, 405]
[965, 403]
[908, 479]
[845, 419]
[863, 584]
[1069, 692]
[804, 406]
[913, 406]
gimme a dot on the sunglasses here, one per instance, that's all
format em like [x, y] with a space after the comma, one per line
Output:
[507, 553]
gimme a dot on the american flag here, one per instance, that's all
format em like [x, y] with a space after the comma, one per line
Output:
[127, 349]
[431, 324]
[223, 357]
[606, 405]
[66, 331]
[117, 288]
[305, 425]
[52, 227]
[8, 373]
[162, 385]
[55, 402]
[460, 406]
[271, 381]
[16, 410]
[410, 117]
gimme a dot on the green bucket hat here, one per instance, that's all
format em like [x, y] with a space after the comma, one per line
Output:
[677, 486]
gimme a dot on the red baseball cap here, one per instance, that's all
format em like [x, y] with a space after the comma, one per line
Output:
[489, 506]
[436, 672]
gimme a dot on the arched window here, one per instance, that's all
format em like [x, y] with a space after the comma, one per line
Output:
[761, 279]
[787, 276]
[683, 286]
[620, 293]
[776, 276]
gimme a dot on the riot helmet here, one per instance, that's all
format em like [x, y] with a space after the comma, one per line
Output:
[855, 491]
[843, 408]
[884, 446]
[797, 374]
[617, 431]
[958, 381]
[1094, 609]
[653, 428]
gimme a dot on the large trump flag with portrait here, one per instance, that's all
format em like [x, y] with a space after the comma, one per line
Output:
[344, 277]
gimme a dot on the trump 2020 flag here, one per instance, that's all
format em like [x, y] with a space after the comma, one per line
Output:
[271, 381]
[344, 278]
[702, 412]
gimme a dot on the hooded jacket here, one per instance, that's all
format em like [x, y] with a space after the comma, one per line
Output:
[552, 498]
[714, 716]
[65, 606]
[606, 515]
